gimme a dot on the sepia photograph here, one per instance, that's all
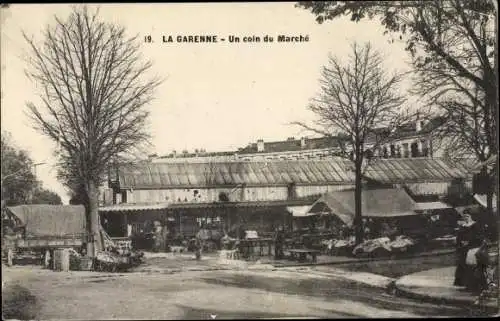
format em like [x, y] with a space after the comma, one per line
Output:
[249, 160]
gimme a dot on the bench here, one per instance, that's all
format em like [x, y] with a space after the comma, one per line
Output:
[301, 254]
[247, 246]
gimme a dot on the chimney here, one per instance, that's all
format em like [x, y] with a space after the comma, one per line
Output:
[302, 142]
[260, 145]
[418, 126]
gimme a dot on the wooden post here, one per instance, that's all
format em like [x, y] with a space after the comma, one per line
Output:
[179, 216]
[125, 224]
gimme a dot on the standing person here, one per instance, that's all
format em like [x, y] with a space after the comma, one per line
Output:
[165, 235]
[200, 241]
[157, 236]
[462, 247]
[241, 232]
[278, 243]
[367, 228]
[469, 238]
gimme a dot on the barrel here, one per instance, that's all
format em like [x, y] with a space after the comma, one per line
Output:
[61, 260]
[86, 263]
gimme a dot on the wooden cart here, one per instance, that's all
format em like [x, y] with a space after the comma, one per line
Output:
[43, 247]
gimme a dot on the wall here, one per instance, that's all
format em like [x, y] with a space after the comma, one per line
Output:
[439, 188]
[303, 191]
[270, 193]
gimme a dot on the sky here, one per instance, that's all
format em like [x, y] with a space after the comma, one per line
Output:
[217, 96]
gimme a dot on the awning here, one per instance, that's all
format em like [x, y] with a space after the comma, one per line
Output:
[133, 207]
[423, 206]
[202, 205]
[489, 162]
[481, 199]
[300, 211]
[389, 214]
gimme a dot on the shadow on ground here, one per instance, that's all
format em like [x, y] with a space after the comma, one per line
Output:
[19, 303]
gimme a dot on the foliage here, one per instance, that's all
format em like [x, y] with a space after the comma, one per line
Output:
[18, 180]
[93, 95]
[452, 45]
[45, 196]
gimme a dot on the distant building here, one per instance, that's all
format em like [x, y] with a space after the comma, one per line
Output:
[414, 140]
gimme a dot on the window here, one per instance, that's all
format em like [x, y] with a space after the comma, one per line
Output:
[406, 150]
[414, 150]
[292, 191]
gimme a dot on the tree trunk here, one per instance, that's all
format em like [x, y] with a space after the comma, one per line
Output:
[358, 224]
[92, 210]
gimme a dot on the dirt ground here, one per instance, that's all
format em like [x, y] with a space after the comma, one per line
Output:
[44, 294]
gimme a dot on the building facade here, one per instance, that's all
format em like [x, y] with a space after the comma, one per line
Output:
[256, 193]
[414, 140]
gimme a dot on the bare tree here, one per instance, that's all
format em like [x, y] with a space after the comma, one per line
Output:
[453, 48]
[93, 94]
[359, 104]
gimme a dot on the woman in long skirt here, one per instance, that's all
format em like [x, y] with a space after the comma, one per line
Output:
[461, 255]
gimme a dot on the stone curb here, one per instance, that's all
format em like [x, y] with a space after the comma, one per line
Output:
[404, 291]
[346, 275]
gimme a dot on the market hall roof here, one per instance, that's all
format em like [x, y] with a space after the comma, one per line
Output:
[148, 175]
[415, 170]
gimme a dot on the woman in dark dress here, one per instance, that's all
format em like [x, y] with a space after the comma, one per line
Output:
[461, 253]
[469, 236]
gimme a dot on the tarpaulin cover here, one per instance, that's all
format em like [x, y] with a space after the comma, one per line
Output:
[51, 220]
[481, 199]
[375, 203]
[422, 206]
[300, 211]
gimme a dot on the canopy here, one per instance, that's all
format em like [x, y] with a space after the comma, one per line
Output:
[133, 207]
[51, 220]
[375, 203]
[300, 211]
[481, 199]
[423, 206]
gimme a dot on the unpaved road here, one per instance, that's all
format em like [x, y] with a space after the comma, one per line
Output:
[202, 295]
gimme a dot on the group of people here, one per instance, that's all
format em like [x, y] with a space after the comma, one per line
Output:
[472, 256]
[373, 229]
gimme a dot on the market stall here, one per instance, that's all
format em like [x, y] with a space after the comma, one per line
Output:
[383, 211]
